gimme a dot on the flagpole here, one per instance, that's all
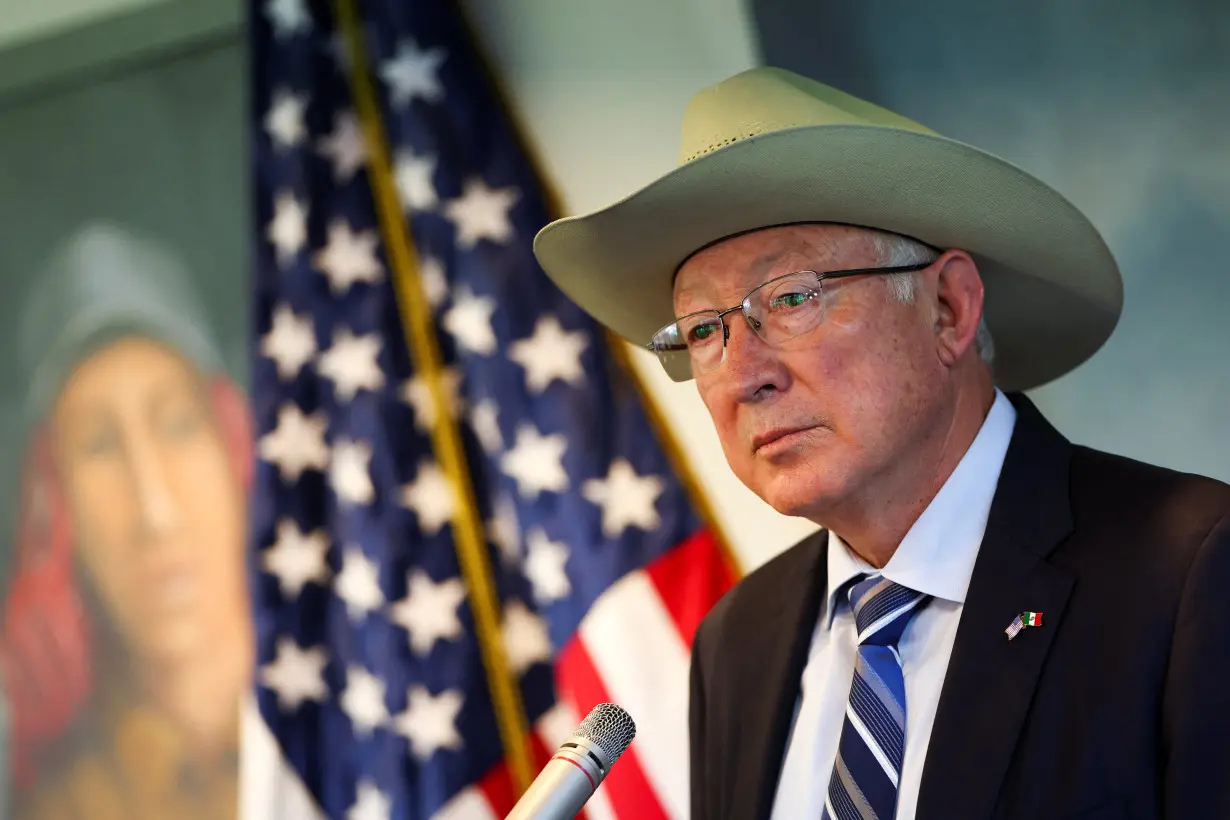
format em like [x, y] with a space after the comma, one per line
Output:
[446, 441]
[554, 203]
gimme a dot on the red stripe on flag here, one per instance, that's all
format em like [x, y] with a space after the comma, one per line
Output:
[625, 787]
[497, 787]
[690, 579]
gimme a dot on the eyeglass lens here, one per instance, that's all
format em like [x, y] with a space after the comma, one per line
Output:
[777, 311]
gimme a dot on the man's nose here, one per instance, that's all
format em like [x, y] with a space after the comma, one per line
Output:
[749, 361]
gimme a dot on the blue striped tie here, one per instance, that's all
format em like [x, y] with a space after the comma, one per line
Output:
[863, 785]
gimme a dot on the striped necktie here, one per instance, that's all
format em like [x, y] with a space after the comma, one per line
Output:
[863, 785]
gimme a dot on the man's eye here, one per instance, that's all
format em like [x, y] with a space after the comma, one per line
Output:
[702, 332]
[789, 300]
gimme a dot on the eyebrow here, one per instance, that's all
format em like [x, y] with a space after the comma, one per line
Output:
[758, 270]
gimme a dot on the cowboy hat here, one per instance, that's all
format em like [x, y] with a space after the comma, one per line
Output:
[768, 147]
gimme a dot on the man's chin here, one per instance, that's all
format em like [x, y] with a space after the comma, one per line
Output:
[800, 493]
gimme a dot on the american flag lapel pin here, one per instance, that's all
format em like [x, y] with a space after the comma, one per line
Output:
[1025, 619]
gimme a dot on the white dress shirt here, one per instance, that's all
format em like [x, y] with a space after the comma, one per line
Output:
[935, 557]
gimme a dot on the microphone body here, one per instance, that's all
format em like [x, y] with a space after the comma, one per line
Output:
[578, 767]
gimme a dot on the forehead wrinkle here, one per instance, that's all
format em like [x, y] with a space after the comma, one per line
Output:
[756, 271]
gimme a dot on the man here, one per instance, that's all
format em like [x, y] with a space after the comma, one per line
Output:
[127, 629]
[993, 622]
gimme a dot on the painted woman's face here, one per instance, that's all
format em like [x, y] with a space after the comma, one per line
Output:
[157, 506]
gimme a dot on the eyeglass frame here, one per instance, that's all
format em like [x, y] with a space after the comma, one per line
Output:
[743, 306]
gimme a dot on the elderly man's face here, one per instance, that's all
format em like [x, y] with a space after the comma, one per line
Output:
[818, 422]
[157, 504]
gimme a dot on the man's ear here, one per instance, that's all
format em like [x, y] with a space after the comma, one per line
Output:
[958, 305]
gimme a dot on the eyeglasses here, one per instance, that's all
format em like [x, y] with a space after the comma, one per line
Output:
[777, 311]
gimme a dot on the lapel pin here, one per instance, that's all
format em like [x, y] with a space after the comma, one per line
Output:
[1025, 619]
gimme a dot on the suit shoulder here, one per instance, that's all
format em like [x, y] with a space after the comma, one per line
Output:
[1148, 522]
[1170, 498]
[761, 585]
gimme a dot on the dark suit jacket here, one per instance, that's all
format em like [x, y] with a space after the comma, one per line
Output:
[1118, 706]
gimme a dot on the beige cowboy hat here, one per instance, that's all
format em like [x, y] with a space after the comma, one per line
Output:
[768, 147]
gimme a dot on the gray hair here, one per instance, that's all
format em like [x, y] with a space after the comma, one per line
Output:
[893, 250]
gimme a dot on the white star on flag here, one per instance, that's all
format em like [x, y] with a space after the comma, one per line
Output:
[486, 423]
[482, 213]
[290, 342]
[414, 184]
[526, 639]
[350, 363]
[504, 529]
[345, 147]
[435, 285]
[296, 444]
[430, 721]
[296, 675]
[544, 566]
[284, 120]
[348, 472]
[412, 73]
[369, 803]
[536, 461]
[430, 496]
[296, 558]
[287, 231]
[349, 257]
[626, 498]
[469, 322]
[416, 393]
[429, 610]
[550, 353]
[363, 701]
[288, 17]
[358, 584]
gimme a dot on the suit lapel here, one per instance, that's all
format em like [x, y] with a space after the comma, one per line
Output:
[990, 680]
[776, 651]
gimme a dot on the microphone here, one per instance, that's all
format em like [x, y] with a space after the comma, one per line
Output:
[580, 764]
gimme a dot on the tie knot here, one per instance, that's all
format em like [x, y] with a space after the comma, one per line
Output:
[882, 609]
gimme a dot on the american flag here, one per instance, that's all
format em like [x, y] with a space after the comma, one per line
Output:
[377, 679]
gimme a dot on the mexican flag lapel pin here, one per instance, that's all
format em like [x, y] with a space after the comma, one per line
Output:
[1022, 621]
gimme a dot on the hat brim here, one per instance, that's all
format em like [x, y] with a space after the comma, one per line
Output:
[1053, 289]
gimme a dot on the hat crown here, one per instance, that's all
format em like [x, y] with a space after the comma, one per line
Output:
[766, 99]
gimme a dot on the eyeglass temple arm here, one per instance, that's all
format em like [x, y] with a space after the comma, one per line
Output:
[842, 274]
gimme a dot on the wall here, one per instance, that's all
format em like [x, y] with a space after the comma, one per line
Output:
[27, 19]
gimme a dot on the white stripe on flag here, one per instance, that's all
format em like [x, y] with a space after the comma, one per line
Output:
[468, 804]
[268, 786]
[641, 659]
[553, 728]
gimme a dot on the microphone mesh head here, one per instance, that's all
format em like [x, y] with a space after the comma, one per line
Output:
[609, 728]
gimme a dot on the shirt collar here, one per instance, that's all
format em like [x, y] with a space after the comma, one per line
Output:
[937, 555]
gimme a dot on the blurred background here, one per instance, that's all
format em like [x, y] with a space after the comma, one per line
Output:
[133, 197]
